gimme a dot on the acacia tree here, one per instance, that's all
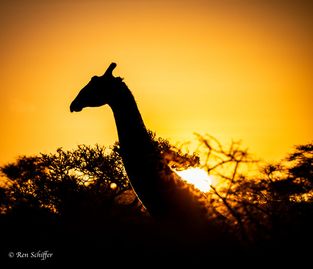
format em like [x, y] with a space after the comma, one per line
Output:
[234, 197]
[260, 207]
[73, 182]
[65, 182]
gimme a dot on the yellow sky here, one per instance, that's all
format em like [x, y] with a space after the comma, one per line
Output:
[233, 69]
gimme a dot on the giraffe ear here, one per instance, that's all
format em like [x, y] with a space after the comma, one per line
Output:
[110, 69]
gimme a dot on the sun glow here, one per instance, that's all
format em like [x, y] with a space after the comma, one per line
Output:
[198, 177]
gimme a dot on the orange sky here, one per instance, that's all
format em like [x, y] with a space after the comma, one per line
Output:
[237, 70]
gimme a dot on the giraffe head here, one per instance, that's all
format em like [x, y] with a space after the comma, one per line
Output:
[96, 93]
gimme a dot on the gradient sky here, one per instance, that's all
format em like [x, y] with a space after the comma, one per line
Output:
[233, 69]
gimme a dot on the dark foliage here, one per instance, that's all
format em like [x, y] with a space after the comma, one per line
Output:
[73, 198]
[271, 211]
[79, 204]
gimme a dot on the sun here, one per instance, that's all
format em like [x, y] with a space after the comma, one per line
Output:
[198, 177]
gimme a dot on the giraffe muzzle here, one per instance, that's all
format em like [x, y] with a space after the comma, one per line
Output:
[75, 108]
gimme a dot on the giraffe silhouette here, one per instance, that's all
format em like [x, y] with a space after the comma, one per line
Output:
[159, 188]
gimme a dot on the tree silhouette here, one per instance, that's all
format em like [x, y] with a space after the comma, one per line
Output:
[79, 194]
[271, 209]
[71, 200]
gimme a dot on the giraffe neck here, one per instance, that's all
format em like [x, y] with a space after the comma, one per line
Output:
[132, 133]
[155, 184]
[137, 151]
